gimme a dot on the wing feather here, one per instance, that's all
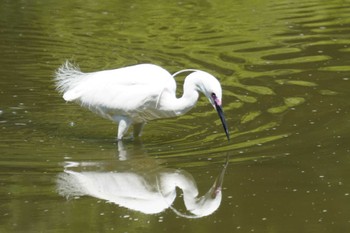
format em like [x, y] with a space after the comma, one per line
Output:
[127, 88]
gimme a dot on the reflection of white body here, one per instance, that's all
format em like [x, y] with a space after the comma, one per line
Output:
[150, 194]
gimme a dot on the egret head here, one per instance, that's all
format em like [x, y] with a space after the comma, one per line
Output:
[208, 203]
[211, 88]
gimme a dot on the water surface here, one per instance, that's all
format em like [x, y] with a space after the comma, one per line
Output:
[284, 69]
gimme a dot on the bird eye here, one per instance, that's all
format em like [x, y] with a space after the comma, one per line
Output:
[213, 95]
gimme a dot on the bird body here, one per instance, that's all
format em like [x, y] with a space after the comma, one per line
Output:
[135, 94]
[148, 192]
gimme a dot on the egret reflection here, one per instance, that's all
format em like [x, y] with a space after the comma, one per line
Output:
[149, 192]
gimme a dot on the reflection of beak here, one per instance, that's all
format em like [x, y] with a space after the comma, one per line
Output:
[216, 189]
[222, 117]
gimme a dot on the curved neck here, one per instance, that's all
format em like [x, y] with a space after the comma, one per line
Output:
[197, 206]
[186, 102]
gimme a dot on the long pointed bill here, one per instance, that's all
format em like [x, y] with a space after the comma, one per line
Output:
[216, 188]
[222, 117]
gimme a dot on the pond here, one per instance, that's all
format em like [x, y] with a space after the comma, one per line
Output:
[284, 67]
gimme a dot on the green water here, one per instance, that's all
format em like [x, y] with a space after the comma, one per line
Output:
[285, 72]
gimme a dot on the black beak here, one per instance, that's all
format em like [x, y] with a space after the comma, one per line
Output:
[219, 180]
[222, 118]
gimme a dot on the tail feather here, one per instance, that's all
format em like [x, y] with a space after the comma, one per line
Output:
[67, 77]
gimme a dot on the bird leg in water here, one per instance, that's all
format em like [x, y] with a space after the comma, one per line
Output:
[138, 129]
[124, 124]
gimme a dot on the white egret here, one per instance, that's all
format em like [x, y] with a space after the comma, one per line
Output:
[149, 192]
[136, 94]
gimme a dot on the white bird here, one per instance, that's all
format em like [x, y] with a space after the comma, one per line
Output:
[149, 192]
[136, 94]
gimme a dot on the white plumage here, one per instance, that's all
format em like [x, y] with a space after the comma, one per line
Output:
[136, 94]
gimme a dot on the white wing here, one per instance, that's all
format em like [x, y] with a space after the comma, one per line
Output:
[127, 89]
[126, 189]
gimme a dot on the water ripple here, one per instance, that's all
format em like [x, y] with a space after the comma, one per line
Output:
[270, 70]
